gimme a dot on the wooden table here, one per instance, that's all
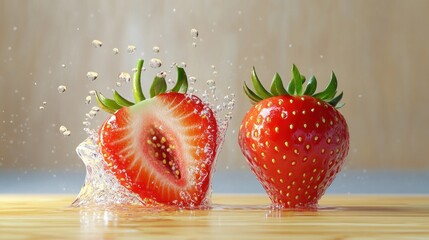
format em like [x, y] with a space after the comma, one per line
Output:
[232, 217]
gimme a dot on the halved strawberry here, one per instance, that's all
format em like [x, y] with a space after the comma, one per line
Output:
[294, 140]
[162, 148]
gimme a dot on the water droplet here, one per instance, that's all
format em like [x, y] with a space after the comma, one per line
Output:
[155, 63]
[194, 33]
[63, 129]
[92, 113]
[194, 44]
[115, 51]
[86, 123]
[67, 133]
[210, 82]
[9, 48]
[161, 74]
[92, 75]
[131, 48]
[155, 49]
[124, 76]
[215, 73]
[41, 107]
[63, 65]
[183, 64]
[44, 103]
[171, 81]
[192, 80]
[95, 108]
[290, 45]
[62, 88]
[88, 99]
[92, 92]
[213, 67]
[134, 70]
[321, 56]
[118, 84]
[97, 43]
[15, 28]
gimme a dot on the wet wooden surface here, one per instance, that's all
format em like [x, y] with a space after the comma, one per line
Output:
[232, 217]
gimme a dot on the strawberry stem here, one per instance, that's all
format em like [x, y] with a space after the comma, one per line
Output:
[158, 86]
[137, 87]
[277, 87]
[259, 88]
[121, 100]
[182, 81]
[107, 104]
[295, 87]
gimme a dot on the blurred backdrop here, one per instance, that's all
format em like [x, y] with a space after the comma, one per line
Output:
[378, 50]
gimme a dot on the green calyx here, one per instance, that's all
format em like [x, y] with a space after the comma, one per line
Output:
[158, 86]
[295, 88]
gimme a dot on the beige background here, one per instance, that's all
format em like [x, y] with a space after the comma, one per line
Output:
[378, 49]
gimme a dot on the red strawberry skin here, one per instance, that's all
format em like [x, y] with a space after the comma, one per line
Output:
[163, 148]
[295, 145]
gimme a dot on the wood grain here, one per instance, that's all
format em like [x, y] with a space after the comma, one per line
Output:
[232, 217]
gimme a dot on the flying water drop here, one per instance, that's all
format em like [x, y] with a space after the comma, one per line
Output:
[88, 99]
[92, 75]
[62, 88]
[124, 76]
[194, 33]
[131, 48]
[97, 43]
[155, 63]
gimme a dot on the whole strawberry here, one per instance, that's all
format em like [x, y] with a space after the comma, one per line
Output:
[163, 147]
[295, 140]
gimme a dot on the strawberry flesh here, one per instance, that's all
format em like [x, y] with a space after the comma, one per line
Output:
[162, 148]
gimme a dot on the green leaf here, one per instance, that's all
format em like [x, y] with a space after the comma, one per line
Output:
[329, 91]
[121, 100]
[297, 80]
[182, 81]
[291, 88]
[259, 88]
[137, 87]
[253, 96]
[340, 105]
[277, 87]
[311, 86]
[107, 104]
[334, 102]
[158, 86]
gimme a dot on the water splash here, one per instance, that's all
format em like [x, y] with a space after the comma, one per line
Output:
[101, 188]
